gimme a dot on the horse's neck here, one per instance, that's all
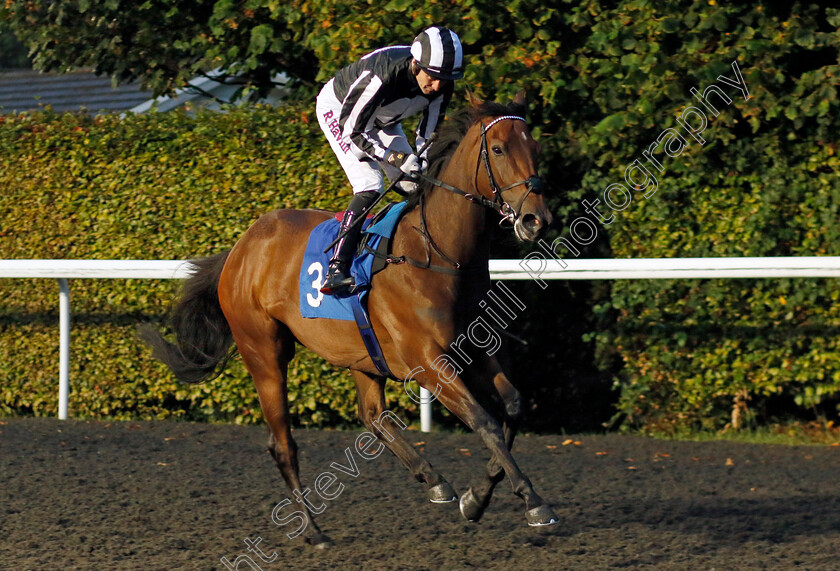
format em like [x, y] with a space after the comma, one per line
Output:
[457, 225]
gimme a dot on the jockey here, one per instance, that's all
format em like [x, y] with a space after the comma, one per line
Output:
[360, 111]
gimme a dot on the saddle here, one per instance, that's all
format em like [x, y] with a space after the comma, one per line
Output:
[372, 256]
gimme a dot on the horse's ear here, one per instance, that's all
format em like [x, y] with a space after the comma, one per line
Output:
[474, 99]
[519, 98]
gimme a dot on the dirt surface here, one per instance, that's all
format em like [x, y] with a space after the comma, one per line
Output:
[167, 495]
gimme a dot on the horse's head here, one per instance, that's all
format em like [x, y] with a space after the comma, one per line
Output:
[509, 174]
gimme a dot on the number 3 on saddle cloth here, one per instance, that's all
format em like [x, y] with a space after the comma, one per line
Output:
[348, 305]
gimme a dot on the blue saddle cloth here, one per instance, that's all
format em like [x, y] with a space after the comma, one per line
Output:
[313, 303]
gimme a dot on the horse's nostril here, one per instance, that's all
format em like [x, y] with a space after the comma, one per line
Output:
[531, 222]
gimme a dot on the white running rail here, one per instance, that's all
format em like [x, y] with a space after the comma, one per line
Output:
[535, 266]
[62, 270]
[666, 268]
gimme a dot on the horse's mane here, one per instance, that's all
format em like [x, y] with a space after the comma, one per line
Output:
[450, 135]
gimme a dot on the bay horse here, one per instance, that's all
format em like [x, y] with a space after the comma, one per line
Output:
[482, 161]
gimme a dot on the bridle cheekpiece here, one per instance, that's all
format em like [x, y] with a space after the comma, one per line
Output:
[508, 213]
[532, 183]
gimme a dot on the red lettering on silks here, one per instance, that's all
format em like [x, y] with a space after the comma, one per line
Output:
[335, 130]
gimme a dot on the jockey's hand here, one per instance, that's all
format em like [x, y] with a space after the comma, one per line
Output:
[407, 163]
[411, 166]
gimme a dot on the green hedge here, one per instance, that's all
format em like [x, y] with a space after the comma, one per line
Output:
[764, 184]
[160, 186]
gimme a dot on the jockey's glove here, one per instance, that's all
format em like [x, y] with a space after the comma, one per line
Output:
[407, 163]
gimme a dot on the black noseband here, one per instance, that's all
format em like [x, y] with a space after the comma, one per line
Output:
[535, 185]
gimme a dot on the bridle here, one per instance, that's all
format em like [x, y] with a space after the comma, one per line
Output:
[532, 184]
[509, 214]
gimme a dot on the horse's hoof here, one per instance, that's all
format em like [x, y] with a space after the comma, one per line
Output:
[319, 541]
[442, 494]
[541, 516]
[470, 508]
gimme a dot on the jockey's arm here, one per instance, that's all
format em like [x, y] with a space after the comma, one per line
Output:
[358, 108]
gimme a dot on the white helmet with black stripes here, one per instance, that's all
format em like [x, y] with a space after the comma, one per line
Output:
[437, 51]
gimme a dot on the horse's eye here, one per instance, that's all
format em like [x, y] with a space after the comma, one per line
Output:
[497, 150]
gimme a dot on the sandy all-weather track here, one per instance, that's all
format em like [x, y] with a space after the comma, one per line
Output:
[169, 495]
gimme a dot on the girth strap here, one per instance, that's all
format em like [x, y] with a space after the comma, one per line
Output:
[374, 350]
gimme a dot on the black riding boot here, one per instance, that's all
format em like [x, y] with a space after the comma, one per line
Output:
[338, 274]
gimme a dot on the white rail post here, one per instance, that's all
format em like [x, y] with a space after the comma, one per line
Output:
[64, 348]
[425, 410]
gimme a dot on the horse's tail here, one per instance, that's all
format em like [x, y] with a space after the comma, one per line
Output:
[203, 336]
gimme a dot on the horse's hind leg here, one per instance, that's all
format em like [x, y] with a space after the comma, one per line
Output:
[371, 393]
[476, 499]
[266, 348]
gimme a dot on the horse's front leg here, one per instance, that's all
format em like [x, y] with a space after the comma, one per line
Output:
[455, 396]
[371, 394]
[476, 499]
